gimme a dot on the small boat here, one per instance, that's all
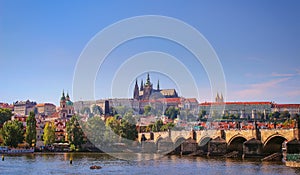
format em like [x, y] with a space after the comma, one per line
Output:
[6, 150]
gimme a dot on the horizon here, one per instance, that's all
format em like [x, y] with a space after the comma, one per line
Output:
[256, 42]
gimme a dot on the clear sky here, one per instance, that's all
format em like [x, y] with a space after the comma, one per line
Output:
[257, 42]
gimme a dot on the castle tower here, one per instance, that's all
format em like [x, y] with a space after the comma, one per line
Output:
[147, 88]
[136, 91]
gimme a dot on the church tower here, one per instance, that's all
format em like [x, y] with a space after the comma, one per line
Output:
[147, 88]
[63, 101]
[136, 91]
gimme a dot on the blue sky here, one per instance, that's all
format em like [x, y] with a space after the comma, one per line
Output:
[257, 42]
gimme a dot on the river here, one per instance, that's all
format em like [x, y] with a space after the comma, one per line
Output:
[58, 163]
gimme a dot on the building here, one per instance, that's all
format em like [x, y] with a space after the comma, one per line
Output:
[24, 107]
[46, 108]
[6, 106]
[292, 108]
[146, 91]
[66, 109]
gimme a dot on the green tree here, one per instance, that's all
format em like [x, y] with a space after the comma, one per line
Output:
[172, 112]
[167, 126]
[86, 110]
[128, 127]
[284, 115]
[12, 133]
[112, 129]
[157, 126]
[147, 110]
[201, 115]
[274, 115]
[96, 110]
[30, 137]
[95, 130]
[49, 133]
[5, 115]
[74, 131]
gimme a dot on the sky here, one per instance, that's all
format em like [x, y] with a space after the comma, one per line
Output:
[257, 43]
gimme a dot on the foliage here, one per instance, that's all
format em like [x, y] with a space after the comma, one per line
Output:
[167, 126]
[5, 115]
[72, 147]
[285, 115]
[112, 129]
[274, 115]
[147, 110]
[157, 126]
[202, 115]
[30, 137]
[74, 131]
[12, 133]
[96, 110]
[86, 110]
[95, 130]
[128, 127]
[49, 133]
[172, 112]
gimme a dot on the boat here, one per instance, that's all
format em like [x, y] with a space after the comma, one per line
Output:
[7, 150]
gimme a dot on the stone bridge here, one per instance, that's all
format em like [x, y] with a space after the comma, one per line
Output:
[270, 139]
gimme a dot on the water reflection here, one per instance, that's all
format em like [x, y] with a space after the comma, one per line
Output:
[59, 164]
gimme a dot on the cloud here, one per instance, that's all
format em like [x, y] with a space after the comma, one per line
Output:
[259, 89]
[293, 93]
[274, 74]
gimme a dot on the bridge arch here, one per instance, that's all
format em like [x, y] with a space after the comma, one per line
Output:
[177, 144]
[236, 143]
[273, 144]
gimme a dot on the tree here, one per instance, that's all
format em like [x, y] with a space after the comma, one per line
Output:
[49, 133]
[274, 115]
[12, 133]
[157, 126]
[112, 129]
[167, 126]
[284, 115]
[147, 110]
[172, 112]
[96, 110]
[128, 127]
[95, 130]
[202, 115]
[5, 115]
[74, 131]
[30, 129]
[86, 110]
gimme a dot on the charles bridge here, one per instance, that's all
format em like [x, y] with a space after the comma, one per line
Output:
[249, 143]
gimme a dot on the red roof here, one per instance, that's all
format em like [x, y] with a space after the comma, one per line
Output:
[235, 103]
[287, 105]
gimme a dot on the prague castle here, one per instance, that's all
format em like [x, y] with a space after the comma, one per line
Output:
[146, 91]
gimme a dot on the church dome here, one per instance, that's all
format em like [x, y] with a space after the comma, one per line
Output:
[69, 103]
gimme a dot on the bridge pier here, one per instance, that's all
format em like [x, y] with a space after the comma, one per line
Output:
[252, 148]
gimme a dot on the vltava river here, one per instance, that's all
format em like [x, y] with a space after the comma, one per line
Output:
[41, 163]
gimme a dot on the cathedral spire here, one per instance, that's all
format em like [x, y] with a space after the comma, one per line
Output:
[67, 97]
[63, 96]
[148, 79]
[142, 86]
[158, 85]
[136, 90]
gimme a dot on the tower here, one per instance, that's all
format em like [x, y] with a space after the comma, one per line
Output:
[136, 91]
[63, 111]
[158, 85]
[142, 86]
[147, 88]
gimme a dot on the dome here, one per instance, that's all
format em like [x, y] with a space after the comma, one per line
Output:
[69, 103]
